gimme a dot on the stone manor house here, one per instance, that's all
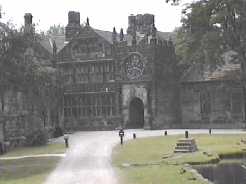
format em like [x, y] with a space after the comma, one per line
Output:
[132, 79]
[116, 79]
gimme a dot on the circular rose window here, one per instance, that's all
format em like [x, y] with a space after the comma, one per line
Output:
[134, 67]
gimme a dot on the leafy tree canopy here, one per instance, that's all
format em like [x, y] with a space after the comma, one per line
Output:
[211, 28]
[22, 70]
[56, 30]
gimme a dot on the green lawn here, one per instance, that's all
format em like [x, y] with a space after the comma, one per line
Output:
[26, 171]
[29, 170]
[141, 154]
[47, 149]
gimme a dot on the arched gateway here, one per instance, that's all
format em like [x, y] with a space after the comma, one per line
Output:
[136, 114]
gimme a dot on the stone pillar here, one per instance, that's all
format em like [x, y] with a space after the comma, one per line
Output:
[125, 116]
[147, 121]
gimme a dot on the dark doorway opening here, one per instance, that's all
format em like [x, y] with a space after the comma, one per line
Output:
[136, 114]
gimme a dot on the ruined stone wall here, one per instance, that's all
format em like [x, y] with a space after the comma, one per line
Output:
[17, 126]
[190, 104]
[225, 107]
[16, 120]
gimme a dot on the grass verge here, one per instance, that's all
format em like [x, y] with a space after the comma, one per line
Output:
[26, 171]
[151, 160]
[46, 149]
[29, 170]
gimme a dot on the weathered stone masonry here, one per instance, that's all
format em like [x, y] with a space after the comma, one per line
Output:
[106, 76]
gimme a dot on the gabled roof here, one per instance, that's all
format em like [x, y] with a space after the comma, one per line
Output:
[47, 42]
[230, 70]
[107, 35]
[86, 30]
[198, 73]
[166, 35]
[160, 35]
[226, 72]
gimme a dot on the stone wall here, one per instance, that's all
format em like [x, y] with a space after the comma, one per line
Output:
[93, 123]
[224, 108]
[167, 113]
[190, 104]
[131, 91]
[17, 126]
[16, 119]
[165, 92]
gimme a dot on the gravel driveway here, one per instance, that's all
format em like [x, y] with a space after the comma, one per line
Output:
[88, 160]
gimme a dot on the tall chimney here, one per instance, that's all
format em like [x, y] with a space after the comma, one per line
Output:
[73, 17]
[73, 27]
[28, 29]
[28, 18]
[131, 24]
[141, 23]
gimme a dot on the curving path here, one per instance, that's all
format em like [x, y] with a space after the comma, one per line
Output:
[88, 159]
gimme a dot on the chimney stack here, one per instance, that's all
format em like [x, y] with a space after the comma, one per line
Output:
[28, 18]
[142, 23]
[28, 29]
[73, 27]
[73, 18]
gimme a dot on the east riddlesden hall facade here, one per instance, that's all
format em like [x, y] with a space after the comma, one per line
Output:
[116, 79]
[132, 79]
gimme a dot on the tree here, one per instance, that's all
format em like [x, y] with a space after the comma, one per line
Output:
[44, 91]
[20, 71]
[10, 45]
[211, 28]
[56, 30]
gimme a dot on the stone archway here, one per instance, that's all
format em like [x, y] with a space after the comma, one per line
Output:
[136, 114]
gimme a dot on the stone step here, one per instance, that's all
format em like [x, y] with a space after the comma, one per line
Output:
[188, 149]
[182, 151]
[185, 145]
[186, 141]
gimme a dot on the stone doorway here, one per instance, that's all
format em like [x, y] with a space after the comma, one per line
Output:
[136, 114]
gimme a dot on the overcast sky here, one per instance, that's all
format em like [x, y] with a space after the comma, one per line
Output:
[102, 14]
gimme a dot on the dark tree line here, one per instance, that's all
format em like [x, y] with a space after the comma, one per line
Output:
[211, 28]
[24, 72]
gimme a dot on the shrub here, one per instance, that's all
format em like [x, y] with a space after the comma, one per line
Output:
[58, 132]
[37, 138]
